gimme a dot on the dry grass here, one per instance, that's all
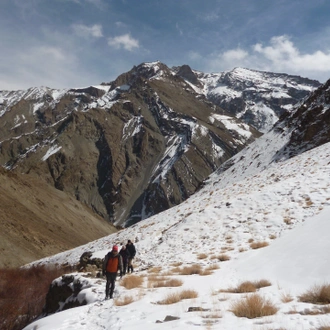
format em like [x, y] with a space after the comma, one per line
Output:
[201, 256]
[319, 294]
[176, 264]
[258, 245]
[286, 298]
[324, 327]
[163, 282]
[206, 272]
[173, 298]
[262, 284]
[248, 286]
[191, 270]
[212, 267]
[122, 301]
[223, 257]
[131, 281]
[23, 293]
[253, 306]
[155, 270]
[287, 220]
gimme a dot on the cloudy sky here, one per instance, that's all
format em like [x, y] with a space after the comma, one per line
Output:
[75, 43]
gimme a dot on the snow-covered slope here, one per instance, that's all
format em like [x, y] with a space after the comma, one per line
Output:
[286, 205]
[258, 98]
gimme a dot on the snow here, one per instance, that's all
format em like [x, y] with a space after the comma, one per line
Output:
[51, 151]
[284, 203]
[231, 124]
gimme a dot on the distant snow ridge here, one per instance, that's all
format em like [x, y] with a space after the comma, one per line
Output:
[258, 98]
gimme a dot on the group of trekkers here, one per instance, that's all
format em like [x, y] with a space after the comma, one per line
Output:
[117, 261]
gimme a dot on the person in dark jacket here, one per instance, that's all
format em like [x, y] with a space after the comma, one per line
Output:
[113, 263]
[124, 254]
[131, 251]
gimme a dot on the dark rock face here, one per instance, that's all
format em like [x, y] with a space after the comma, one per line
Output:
[63, 295]
[309, 123]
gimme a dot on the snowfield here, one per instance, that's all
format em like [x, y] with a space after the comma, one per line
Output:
[284, 207]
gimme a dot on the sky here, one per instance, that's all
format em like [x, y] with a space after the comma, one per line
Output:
[77, 43]
[284, 203]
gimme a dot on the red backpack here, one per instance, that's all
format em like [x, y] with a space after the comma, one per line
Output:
[112, 265]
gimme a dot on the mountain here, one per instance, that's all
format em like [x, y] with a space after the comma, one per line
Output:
[37, 220]
[127, 149]
[263, 216]
[145, 142]
[257, 98]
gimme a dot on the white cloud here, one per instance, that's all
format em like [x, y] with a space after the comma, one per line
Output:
[124, 41]
[88, 31]
[235, 54]
[283, 54]
[280, 55]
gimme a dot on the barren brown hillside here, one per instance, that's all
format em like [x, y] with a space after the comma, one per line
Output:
[37, 220]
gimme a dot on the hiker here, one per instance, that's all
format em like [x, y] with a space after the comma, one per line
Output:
[124, 254]
[112, 263]
[131, 254]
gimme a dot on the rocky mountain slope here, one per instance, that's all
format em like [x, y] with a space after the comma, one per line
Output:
[37, 220]
[258, 98]
[128, 149]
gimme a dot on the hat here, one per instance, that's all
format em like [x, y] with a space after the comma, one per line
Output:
[115, 248]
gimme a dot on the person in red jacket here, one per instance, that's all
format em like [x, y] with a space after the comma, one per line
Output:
[113, 263]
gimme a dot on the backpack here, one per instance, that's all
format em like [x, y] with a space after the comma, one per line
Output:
[113, 264]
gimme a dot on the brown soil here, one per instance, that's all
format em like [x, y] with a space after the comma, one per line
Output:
[37, 220]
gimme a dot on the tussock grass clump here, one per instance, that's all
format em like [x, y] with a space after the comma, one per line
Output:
[223, 257]
[176, 264]
[262, 284]
[202, 256]
[286, 298]
[191, 270]
[23, 292]
[156, 270]
[122, 301]
[258, 245]
[206, 272]
[212, 267]
[253, 306]
[319, 294]
[173, 298]
[248, 286]
[164, 282]
[131, 281]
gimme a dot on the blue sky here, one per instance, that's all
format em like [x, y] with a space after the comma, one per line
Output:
[76, 43]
